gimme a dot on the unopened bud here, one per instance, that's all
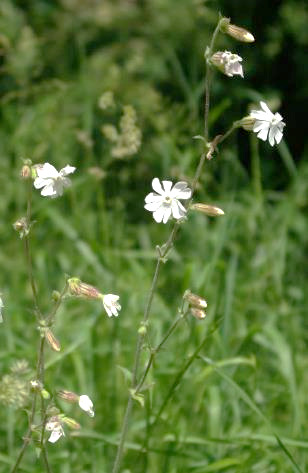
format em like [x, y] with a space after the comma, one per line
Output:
[79, 288]
[51, 339]
[236, 32]
[55, 296]
[22, 227]
[198, 313]
[70, 422]
[247, 123]
[68, 396]
[25, 172]
[45, 394]
[195, 300]
[210, 210]
[142, 329]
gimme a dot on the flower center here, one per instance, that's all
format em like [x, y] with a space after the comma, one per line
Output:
[167, 200]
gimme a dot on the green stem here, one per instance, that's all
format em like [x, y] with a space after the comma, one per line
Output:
[162, 254]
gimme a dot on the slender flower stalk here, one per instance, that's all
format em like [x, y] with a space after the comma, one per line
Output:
[162, 254]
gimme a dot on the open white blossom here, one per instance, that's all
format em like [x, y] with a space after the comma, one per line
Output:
[51, 181]
[86, 404]
[164, 202]
[1, 307]
[111, 304]
[228, 63]
[54, 426]
[267, 125]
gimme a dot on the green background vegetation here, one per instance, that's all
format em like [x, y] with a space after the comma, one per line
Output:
[57, 59]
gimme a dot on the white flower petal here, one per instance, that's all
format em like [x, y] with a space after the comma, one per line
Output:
[67, 170]
[153, 198]
[181, 192]
[86, 404]
[263, 134]
[55, 435]
[260, 126]
[266, 109]
[167, 185]
[41, 182]
[152, 206]
[156, 185]
[178, 211]
[47, 171]
[278, 136]
[48, 190]
[167, 214]
[111, 304]
[158, 215]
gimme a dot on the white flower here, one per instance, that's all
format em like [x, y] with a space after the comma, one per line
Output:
[52, 181]
[86, 404]
[267, 125]
[228, 63]
[111, 304]
[1, 307]
[54, 426]
[165, 201]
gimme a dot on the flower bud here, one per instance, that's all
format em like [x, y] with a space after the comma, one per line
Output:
[70, 422]
[195, 300]
[210, 210]
[26, 172]
[68, 396]
[51, 339]
[236, 32]
[198, 313]
[79, 288]
[142, 330]
[45, 394]
[55, 296]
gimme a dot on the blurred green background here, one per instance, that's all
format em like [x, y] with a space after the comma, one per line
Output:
[115, 88]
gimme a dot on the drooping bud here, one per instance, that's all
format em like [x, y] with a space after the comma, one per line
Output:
[210, 210]
[68, 396]
[82, 289]
[236, 32]
[195, 300]
[51, 339]
[198, 313]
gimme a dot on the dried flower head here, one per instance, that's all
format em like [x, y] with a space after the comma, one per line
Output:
[127, 140]
[165, 201]
[14, 387]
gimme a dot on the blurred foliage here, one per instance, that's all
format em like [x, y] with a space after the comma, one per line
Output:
[71, 68]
